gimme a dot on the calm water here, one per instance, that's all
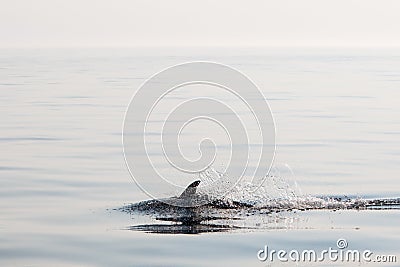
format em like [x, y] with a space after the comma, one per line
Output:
[62, 171]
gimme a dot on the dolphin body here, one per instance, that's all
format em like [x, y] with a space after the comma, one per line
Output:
[189, 201]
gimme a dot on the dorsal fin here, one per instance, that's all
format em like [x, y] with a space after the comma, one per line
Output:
[190, 191]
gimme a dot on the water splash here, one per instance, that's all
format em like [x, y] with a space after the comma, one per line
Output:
[280, 191]
[279, 186]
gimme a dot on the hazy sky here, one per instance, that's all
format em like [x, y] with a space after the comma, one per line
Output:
[187, 22]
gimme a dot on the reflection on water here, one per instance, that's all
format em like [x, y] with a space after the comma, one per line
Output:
[195, 228]
[197, 223]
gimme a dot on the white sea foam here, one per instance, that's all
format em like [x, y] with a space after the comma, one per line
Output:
[279, 191]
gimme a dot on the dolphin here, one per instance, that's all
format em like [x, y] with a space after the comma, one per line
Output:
[188, 200]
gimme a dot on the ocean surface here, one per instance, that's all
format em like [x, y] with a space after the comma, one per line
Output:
[63, 175]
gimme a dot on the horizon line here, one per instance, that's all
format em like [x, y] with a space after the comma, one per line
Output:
[216, 46]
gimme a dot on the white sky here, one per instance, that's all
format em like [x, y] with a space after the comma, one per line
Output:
[197, 23]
